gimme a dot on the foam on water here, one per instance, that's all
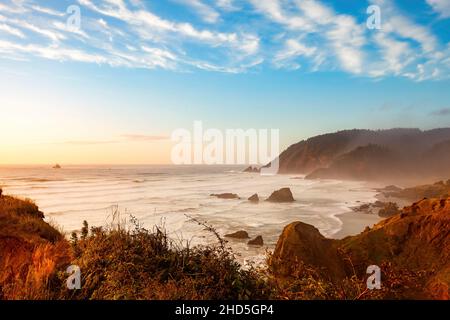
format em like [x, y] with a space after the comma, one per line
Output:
[168, 193]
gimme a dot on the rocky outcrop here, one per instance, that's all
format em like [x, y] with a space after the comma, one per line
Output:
[369, 208]
[254, 198]
[383, 209]
[390, 209]
[416, 240]
[241, 234]
[258, 241]
[389, 189]
[439, 189]
[251, 169]
[301, 242]
[225, 195]
[282, 195]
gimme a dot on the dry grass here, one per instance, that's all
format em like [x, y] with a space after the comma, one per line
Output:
[135, 263]
[142, 264]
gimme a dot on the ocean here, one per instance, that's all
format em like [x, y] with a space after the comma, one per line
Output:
[168, 195]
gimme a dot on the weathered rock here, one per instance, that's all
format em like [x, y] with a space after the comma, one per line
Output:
[258, 241]
[436, 190]
[282, 195]
[390, 209]
[225, 195]
[241, 234]
[301, 242]
[415, 240]
[252, 169]
[364, 208]
[254, 198]
[370, 208]
[388, 189]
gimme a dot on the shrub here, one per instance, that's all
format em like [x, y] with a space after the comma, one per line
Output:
[137, 263]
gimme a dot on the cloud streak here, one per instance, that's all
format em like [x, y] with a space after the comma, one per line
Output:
[145, 138]
[441, 112]
[442, 7]
[309, 35]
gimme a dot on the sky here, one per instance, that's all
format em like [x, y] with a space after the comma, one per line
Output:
[108, 81]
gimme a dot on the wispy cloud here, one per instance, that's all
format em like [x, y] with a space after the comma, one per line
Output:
[227, 5]
[442, 7]
[206, 12]
[441, 112]
[89, 142]
[408, 49]
[292, 50]
[143, 137]
[309, 35]
[339, 35]
[48, 11]
[121, 139]
[54, 53]
[11, 30]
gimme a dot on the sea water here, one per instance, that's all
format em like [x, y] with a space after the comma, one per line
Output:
[169, 196]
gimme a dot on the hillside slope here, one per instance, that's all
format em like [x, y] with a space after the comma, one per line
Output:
[415, 241]
[404, 152]
[31, 250]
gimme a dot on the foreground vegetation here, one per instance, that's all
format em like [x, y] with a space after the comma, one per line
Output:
[131, 262]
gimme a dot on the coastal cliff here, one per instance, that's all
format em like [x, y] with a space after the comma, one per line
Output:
[370, 155]
[416, 240]
[412, 248]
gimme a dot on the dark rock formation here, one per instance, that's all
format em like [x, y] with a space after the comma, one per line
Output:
[238, 235]
[303, 242]
[254, 198]
[370, 208]
[258, 241]
[417, 240]
[282, 195]
[225, 195]
[439, 189]
[252, 169]
[390, 209]
[388, 189]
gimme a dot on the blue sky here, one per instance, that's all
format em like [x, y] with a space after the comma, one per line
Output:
[134, 71]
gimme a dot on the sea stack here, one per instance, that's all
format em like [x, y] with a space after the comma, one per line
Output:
[241, 234]
[254, 198]
[225, 195]
[282, 195]
[258, 241]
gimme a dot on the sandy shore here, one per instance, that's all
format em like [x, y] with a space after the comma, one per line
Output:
[354, 223]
